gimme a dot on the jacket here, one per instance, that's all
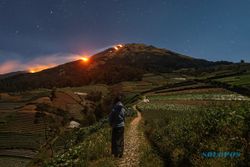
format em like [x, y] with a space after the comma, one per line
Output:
[117, 116]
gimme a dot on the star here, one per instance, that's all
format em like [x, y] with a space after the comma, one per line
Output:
[39, 28]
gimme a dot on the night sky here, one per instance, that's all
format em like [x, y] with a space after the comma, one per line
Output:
[49, 32]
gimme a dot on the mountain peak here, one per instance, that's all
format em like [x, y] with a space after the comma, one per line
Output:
[133, 49]
[125, 62]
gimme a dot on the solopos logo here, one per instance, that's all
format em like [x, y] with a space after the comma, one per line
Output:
[220, 154]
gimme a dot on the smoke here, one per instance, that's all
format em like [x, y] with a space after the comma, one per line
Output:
[41, 62]
[38, 63]
[8, 66]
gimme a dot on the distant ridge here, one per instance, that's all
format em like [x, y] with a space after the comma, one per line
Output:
[121, 63]
[11, 74]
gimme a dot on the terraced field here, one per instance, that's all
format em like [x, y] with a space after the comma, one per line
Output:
[89, 88]
[26, 117]
[13, 161]
[240, 80]
[182, 119]
[149, 81]
[21, 122]
[20, 134]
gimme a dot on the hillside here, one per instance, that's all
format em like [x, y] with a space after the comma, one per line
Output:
[3, 76]
[121, 63]
[170, 103]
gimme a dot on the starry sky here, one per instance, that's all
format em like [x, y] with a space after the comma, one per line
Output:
[49, 32]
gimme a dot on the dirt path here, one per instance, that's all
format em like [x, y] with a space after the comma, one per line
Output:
[132, 143]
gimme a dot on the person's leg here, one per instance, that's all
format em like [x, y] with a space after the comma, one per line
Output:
[120, 141]
[115, 144]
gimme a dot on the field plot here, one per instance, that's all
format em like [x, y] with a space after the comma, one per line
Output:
[21, 134]
[183, 124]
[13, 161]
[240, 80]
[88, 89]
[148, 82]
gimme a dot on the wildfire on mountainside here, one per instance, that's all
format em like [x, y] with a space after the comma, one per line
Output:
[39, 68]
[117, 47]
[85, 59]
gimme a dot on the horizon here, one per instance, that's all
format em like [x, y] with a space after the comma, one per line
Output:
[59, 59]
[44, 33]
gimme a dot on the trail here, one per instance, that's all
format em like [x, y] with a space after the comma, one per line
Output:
[132, 143]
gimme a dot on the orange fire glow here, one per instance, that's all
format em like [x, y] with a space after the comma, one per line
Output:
[117, 47]
[85, 59]
[39, 68]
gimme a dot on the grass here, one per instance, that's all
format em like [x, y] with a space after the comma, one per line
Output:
[23, 129]
[148, 155]
[133, 87]
[240, 80]
[180, 132]
[13, 161]
[178, 126]
[10, 140]
[89, 147]
[88, 89]
[20, 122]
[200, 96]
[148, 82]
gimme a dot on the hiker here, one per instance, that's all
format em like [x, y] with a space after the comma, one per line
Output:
[117, 122]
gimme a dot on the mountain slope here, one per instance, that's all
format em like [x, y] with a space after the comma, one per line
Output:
[122, 63]
[11, 74]
[148, 58]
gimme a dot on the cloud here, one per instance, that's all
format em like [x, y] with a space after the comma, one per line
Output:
[38, 63]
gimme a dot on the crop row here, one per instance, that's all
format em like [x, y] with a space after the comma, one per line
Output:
[181, 133]
[199, 96]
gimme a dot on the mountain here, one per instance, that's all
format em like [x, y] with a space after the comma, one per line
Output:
[11, 74]
[121, 63]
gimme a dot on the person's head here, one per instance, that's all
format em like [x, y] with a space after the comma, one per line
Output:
[117, 99]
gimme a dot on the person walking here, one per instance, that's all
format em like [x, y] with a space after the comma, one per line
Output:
[117, 122]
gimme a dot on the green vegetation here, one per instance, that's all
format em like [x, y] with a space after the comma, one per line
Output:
[88, 89]
[181, 132]
[239, 80]
[201, 96]
[148, 156]
[181, 120]
[13, 161]
[38, 121]
[10, 140]
[89, 147]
